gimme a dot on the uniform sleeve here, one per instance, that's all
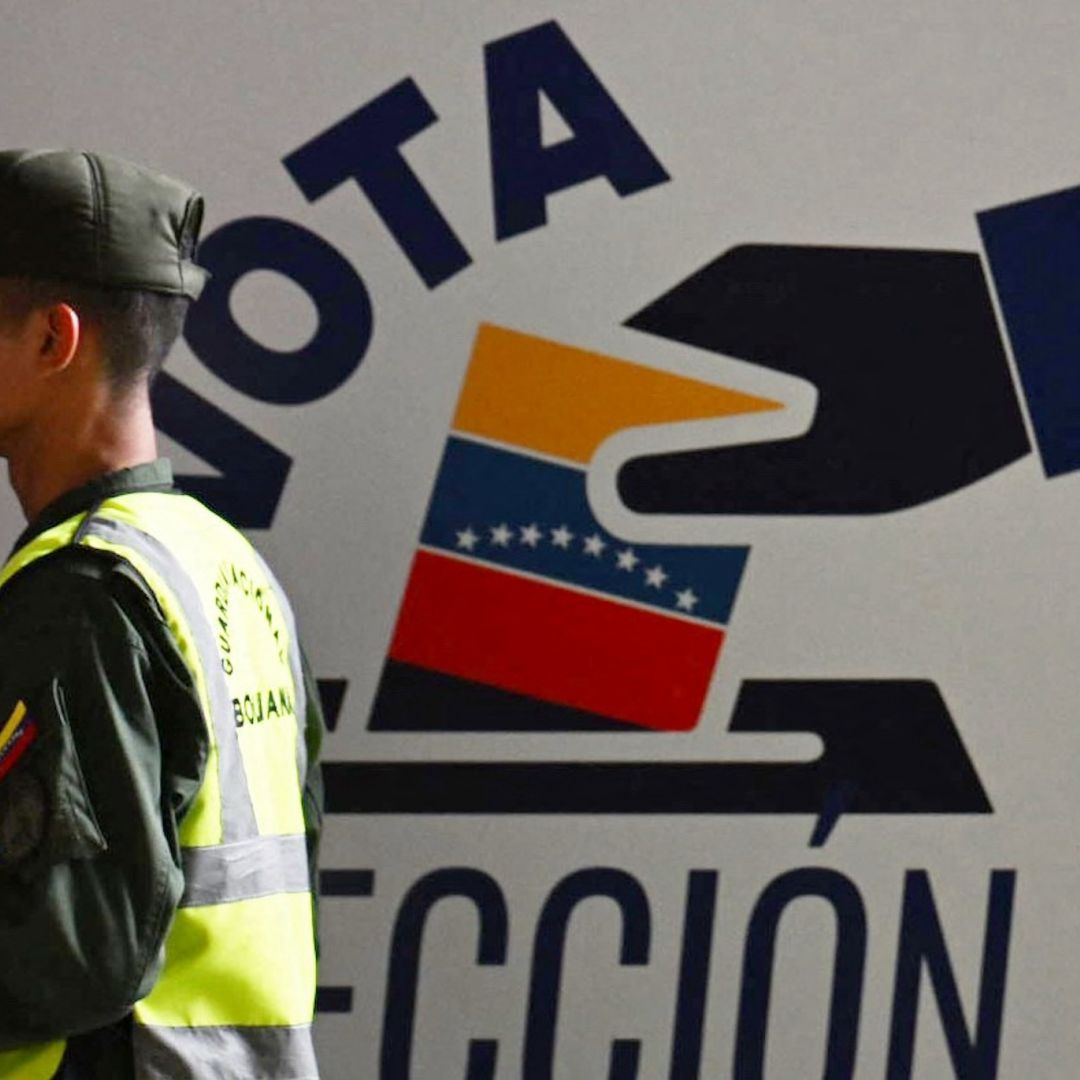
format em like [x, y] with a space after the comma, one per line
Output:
[90, 800]
[314, 730]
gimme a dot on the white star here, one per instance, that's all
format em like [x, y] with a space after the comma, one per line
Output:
[561, 536]
[594, 545]
[627, 559]
[466, 538]
[530, 535]
[655, 577]
[686, 600]
[501, 535]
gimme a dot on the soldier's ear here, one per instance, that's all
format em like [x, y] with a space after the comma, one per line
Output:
[61, 334]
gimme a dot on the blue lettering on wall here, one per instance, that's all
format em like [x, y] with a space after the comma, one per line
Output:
[354, 883]
[848, 965]
[253, 472]
[366, 147]
[404, 974]
[543, 60]
[694, 967]
[339, 295]
[548, 951]
[923, 943]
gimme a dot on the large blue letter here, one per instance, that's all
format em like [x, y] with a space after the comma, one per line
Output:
[549, 947]
[922, 942]
[523, 171]
[365, 147]
[848, 966]
[285, 378]
[253, 471]
[694, 975]
[404, 975]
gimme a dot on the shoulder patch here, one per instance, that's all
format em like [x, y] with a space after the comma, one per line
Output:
[16, 737]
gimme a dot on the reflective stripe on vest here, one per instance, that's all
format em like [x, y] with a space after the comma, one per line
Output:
[255, 1052]
[237, 816]
[235, 996]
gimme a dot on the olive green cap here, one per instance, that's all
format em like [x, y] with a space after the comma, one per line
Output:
[76, 216]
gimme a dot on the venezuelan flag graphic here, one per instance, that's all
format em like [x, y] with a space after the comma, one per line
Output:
[521, 612]
[16, 736]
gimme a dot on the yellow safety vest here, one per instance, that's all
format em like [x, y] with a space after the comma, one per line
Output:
[236, 993]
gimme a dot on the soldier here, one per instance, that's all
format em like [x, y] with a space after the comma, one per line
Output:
[157, 858]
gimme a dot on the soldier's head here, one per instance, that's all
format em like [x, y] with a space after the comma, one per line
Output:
[96, 274]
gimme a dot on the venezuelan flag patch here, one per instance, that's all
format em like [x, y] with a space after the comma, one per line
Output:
[16, 737]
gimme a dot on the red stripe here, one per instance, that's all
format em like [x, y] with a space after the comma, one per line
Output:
[552, 643]
[18, 747]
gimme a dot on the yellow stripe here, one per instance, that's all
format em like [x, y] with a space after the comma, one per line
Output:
[38, 1062]
[42, 544]
[563, 401]
[13, 722]
[249, 962]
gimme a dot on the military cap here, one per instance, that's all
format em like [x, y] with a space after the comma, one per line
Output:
[76, 216]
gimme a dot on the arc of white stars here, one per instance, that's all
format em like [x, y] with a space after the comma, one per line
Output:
[467, 539]
[626, 559]
[501, 535]
[530, 535]
[594, 545]
[655, 576]
[561, 537]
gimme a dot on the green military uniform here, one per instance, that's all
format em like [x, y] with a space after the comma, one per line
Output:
[90, 861]
[159, 734]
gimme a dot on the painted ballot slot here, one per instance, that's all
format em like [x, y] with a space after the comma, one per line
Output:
[799, 313]
[924, 978]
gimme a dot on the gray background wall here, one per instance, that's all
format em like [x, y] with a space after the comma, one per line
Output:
[836, 123]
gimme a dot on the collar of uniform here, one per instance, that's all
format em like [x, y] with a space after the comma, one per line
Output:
[151, 476]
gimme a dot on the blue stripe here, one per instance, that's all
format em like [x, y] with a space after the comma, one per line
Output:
[480, 488]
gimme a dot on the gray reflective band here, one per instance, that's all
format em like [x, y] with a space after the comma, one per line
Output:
[240, 1053]
[237, 813]
[261, 866]
[297, 671]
